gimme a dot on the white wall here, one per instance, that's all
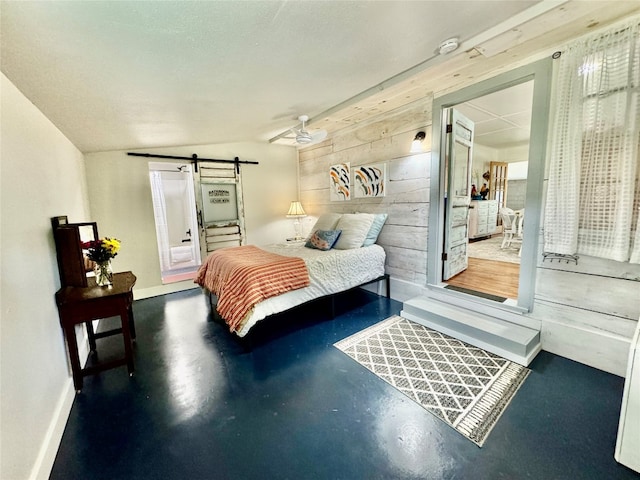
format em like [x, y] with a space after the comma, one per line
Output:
[517, 153]
[482, 158]
[120, 198]
[517, 170]
[42, 177]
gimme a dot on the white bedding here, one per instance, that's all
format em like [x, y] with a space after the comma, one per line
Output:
[330, 272]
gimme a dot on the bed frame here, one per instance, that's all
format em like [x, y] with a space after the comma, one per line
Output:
[246, 342]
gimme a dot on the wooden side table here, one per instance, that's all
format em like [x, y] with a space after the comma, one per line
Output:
[82, 305]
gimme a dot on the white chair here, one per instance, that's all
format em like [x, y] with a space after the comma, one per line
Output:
[520, 221]
[510, 231]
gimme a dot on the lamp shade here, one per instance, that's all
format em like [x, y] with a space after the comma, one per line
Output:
[296, 210]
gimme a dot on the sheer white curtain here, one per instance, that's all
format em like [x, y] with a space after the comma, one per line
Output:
[593, 196]
[160, 214]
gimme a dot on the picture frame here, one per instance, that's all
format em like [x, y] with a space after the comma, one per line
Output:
[340, 182]
[58, 221]
[370, 181]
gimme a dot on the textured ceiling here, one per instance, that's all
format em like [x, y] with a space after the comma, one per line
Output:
[503, 118]
[113, 75]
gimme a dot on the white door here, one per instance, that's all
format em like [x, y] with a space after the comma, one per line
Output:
[459, 147]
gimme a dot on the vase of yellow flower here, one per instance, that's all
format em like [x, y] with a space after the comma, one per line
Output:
[104, 273]
[101, 252]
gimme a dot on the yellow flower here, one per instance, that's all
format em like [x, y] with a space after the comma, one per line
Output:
[112, 245]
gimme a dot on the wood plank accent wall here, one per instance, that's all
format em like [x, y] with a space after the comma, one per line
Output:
[588, 312]
[386, 139]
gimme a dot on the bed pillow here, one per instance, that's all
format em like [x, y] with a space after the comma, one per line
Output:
[327, 221]
[355, 227]
[374, 231]
[323, 239]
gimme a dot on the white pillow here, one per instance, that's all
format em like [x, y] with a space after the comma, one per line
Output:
[374, 231]
[327, 221]
[355, 227]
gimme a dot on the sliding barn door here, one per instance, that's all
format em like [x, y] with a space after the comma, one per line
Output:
[220, 207]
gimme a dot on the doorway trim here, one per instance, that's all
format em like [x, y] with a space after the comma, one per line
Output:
[540, 73]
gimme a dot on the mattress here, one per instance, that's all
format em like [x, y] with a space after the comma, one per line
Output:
[330, 272]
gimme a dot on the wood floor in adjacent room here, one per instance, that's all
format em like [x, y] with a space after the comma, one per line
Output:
[489, 276]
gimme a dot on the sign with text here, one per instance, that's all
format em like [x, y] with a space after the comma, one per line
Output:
[219, 202]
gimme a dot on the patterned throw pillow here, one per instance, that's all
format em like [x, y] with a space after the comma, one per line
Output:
[323, 239]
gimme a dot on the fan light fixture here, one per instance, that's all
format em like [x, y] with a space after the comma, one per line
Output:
[416, 145]
[304, 137]
[296, 212]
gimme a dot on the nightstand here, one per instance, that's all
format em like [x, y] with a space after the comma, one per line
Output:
[294, 242]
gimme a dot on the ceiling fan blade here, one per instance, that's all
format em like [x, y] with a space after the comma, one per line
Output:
[318, 136]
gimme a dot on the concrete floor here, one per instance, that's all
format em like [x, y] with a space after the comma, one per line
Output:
[201, 406]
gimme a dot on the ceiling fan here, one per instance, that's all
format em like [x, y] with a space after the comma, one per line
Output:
[303, 137]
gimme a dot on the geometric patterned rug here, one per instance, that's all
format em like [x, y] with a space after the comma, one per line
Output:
[465, 386]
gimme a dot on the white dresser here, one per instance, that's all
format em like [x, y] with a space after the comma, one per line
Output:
[483, 218]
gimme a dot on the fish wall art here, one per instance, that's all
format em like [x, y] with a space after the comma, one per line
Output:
[370, 180]
[339, 182]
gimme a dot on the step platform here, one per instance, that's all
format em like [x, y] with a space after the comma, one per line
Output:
[514, 342]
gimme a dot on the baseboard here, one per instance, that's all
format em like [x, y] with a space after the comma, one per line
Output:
[379, 287]
[403, 290]
[47, 455]
[139, 294]
[49, 448]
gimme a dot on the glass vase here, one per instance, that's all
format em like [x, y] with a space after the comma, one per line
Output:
[103, 273]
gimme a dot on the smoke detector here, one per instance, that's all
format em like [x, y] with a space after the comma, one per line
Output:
[448, 46]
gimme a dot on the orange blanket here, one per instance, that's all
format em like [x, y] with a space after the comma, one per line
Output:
[243, 276]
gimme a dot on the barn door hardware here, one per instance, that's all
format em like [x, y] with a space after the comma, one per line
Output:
[195, 160]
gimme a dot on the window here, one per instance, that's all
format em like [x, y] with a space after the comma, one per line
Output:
[593, 194]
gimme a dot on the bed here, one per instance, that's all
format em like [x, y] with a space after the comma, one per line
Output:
[330, 270]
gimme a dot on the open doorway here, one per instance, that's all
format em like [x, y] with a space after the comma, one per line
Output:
[174, 210]
[540, 74]
[498, 184]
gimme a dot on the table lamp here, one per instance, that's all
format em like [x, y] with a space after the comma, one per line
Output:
[296, 212]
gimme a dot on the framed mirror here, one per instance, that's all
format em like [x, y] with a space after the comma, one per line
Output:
[69, 238]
